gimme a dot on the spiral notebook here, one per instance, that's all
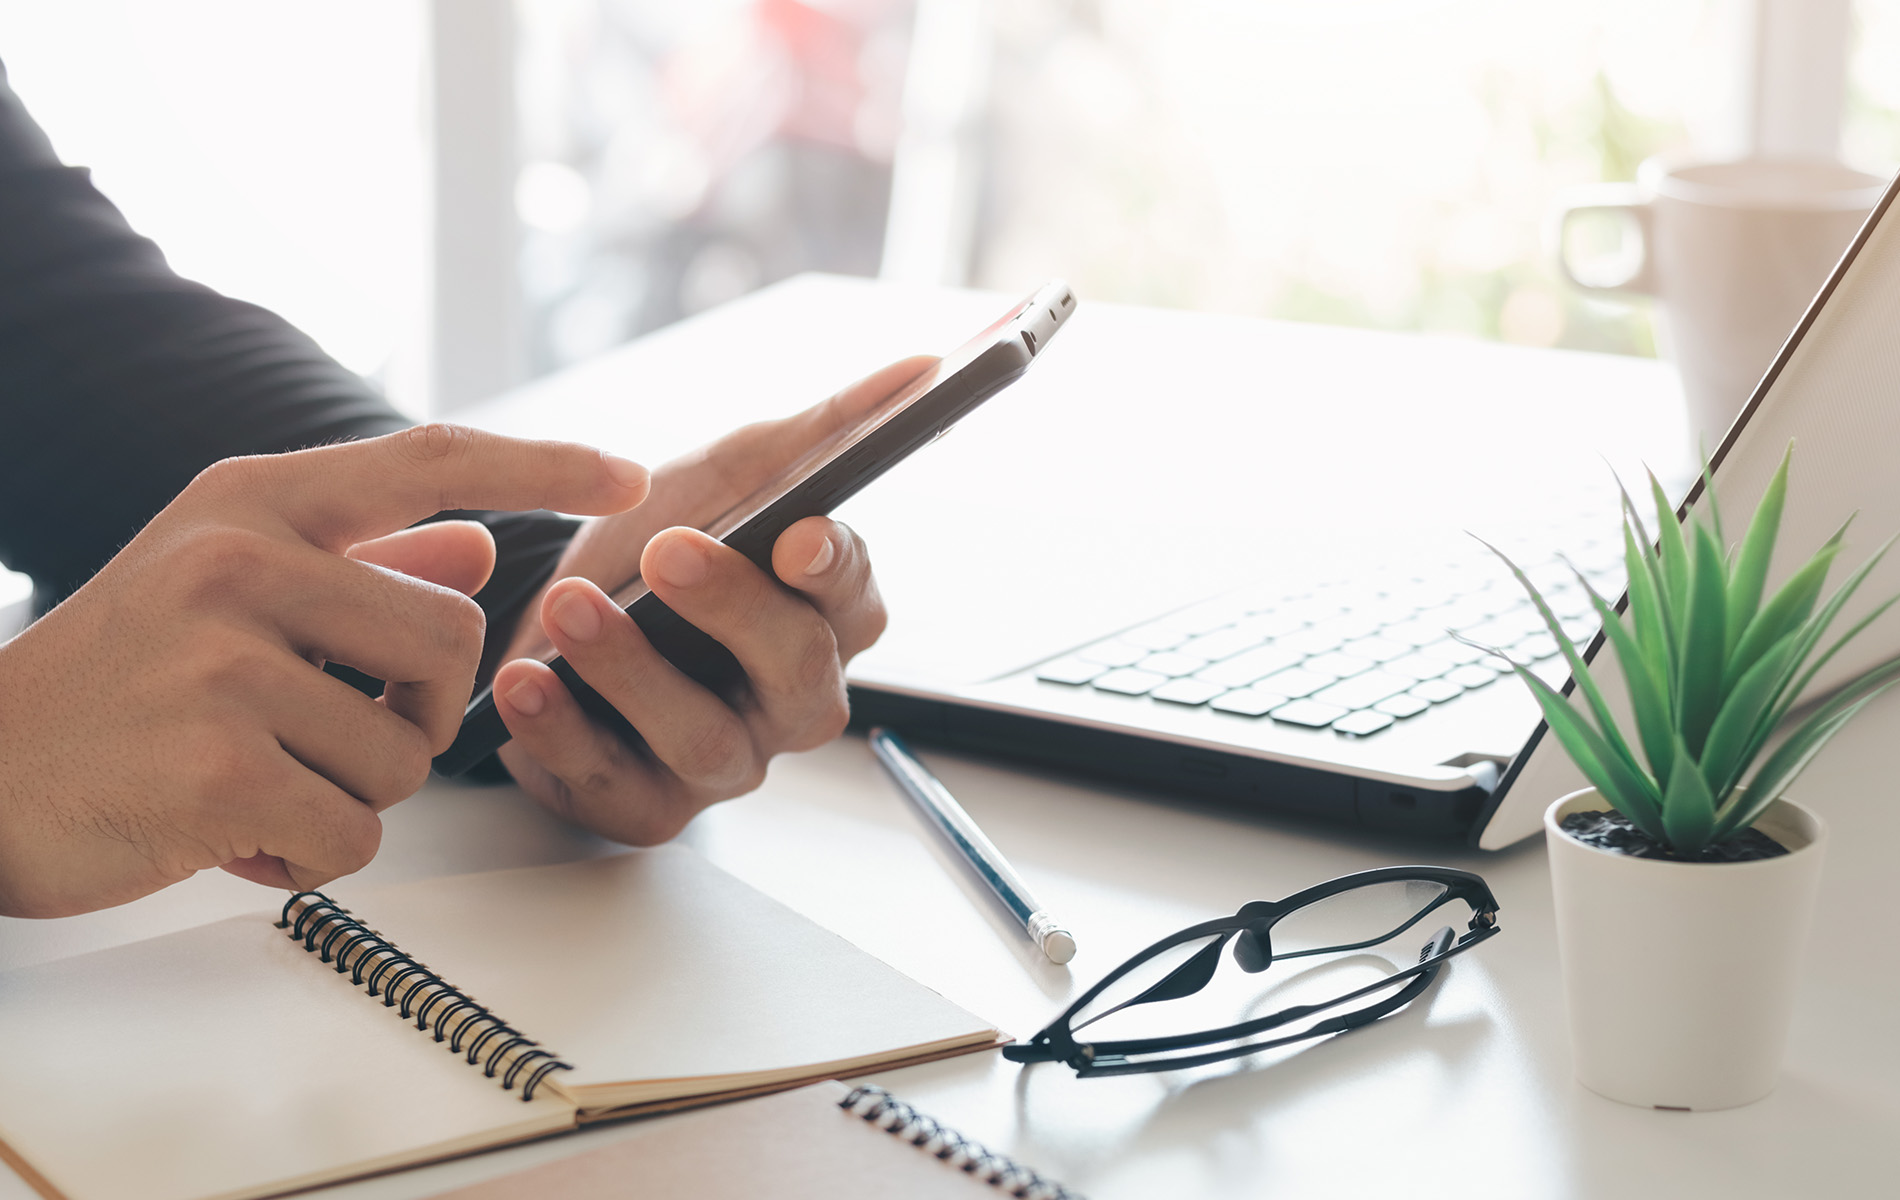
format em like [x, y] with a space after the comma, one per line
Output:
[246, 1058]
[823, 1142]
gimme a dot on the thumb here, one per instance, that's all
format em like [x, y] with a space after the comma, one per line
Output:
[454, 554]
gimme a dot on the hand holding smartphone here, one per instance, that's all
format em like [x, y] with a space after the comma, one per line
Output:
[825, 477]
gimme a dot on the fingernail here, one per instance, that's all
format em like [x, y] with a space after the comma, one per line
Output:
[626, 472]
[527, 698]
[682, 563]
[577, 617]
[819, 561]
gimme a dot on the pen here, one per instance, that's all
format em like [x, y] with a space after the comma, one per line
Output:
[929, 794]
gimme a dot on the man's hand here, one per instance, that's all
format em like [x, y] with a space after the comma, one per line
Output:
[793, 635]
[173, 715]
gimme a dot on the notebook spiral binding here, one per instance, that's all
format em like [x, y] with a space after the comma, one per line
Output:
[898, 1119]
[375, 964]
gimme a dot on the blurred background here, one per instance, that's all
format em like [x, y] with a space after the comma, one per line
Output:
[457, 195]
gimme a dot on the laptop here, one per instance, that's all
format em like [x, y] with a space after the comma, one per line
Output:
[1241, 565]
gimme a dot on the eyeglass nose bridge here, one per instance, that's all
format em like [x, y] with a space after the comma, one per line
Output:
[1253, 945]
[1054, 1044]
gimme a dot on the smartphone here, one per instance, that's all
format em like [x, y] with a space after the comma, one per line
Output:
[824, 478]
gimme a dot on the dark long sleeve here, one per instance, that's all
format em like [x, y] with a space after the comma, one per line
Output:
[120, 381]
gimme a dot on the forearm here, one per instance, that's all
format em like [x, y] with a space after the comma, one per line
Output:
[121, 381]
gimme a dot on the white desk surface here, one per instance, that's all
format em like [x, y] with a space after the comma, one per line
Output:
[1466, 1094]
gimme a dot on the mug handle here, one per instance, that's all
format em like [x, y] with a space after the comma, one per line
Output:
[1629, 202]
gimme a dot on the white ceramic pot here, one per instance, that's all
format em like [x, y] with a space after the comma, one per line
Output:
[1680, 977]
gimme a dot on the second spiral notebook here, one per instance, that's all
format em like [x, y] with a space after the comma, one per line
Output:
[246, 1057]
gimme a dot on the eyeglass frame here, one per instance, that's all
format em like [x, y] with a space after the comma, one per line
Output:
[1055, 1042]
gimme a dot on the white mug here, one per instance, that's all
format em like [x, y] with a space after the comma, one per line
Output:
[1735, 251]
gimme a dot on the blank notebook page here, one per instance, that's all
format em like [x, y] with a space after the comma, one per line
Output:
[225, 1061]
[657, 968]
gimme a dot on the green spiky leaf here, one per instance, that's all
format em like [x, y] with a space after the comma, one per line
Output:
[1792, 605]
[1747, 710]
[1758, 547]
[1708, 496]
[1628, 792]
[1688, 809]
[1612, 736]
[1704, 640]
[1671, 553]
[1807, 740]
[1649, 696]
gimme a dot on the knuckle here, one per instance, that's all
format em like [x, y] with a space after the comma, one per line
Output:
[358, 841]
[660, 821]
[832, 719]
[227, 772]
[876, 617]
[462, 627]
[231, 475]
[817, 670]
[713, 755]
[230, 667]
[406, 766]
[218, 560]
[433, 442]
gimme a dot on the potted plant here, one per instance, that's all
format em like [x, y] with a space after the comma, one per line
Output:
[1684, 884]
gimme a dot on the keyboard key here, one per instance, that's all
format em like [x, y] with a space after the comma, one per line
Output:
[1247, 702]
[1316, 608]
[1363, 691]
[1310, 713]
[1348, 626]
[1362, 724]
[1536, 646]
[1581, 630]
[1437, 690]
[1207, 616]
[1554, 671]
[1339, 666]
[1069, 670]
[1187, 691]
[1418, 594]
[1157, 635]
[1129, 682]
[1505, 630]
[1171, 664]
[1245, 668]
[1460, 615]
[1378, 649]
[1453, 651]
[1224, 643]
[1295, 683]
[1113, 653]
[1414, 633]
[1383, 611]
[1499, 598]
[1573, 605]
[1492, 662]
[1402, 706]
[1270, 624]
[1469, 676]
[1310, 641]
[1419, 666]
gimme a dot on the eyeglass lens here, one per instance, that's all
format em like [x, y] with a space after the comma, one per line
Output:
[1321, 951]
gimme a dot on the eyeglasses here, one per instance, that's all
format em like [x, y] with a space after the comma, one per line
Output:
[1358, 966]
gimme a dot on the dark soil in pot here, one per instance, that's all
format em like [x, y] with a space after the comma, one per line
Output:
[1612, 831]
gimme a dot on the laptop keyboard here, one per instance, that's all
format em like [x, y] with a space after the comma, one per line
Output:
[1357, 657]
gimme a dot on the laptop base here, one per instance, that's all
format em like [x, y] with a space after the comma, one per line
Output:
[1126, 758]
